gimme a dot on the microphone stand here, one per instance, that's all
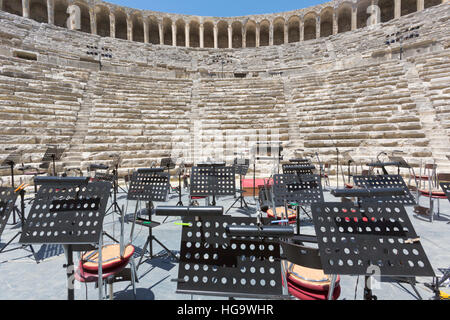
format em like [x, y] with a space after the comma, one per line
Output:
[337, 162]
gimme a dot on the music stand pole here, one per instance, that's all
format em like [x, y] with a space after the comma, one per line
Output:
[180, 203]
[12, 185]
[254, 178]
[70, 271]
[337, 168]
[54, 165]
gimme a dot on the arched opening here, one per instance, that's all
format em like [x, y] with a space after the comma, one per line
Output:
[326, 22]
[309, 27]
[344, 19]
[361, 15]
[38, 11]
[181, 29]
[294, 29]
[102, 20]
[408, 6]
[222, 34]
[85, 17]
[121, 25]
[167, 31]
[264, 33]
[387, 9]
[250, 34]
[431, 3]
[60, 13]
[12, 6]
[153, 30]
[138, 27]
[236, 34]
[208, 35]
[278, 31]
[194, 34]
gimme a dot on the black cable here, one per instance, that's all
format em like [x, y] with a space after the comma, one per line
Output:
[356, 287]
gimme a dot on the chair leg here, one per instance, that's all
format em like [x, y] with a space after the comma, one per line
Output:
[133, 276]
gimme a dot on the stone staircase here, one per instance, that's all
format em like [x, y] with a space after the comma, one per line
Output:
[439, 142]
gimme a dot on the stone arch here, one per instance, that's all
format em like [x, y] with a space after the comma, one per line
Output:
[361, 13]
[208, 34]
[138, 27]
[264, 33]
[387, 8]
[222, 34]
[278, 31]
[13, 6]
[153, 30]
[408, 6]
[121, 24]
[250, 34]
[102, 20]
[294, 29]
[60, 13]
[326, 22]
[181, 32]
[194, 33]
[344, 17]
[38, 10]
[85, 16]
[167, 31]
[236, 32]
[309, 29]
[431, 3]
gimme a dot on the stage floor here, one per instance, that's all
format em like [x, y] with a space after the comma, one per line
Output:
[21, 278]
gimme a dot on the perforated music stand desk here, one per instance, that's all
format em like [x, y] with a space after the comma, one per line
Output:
[149, 184]
[53, 154]
[67, 211]
[213, 181]
[213, 263]
[241, 167]
[7, 200]
[376, 238]
[298, 168]
[300, 189]
[386, 182]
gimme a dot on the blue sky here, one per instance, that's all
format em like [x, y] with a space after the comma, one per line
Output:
[222, 8]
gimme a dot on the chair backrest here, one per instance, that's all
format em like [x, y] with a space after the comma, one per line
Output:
[443, 177]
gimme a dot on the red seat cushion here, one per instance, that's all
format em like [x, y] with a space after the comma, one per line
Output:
[110, 256]
[304, 294]
[434, 194]
[248, 183]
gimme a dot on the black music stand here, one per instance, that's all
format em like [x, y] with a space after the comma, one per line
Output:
[213, 263]
[53, 154]
[149, 184]
[68, 211]
[357, 240]
[240, 168]
[386, 182]
[11, 160]
[212, 180]
[298, 168]
[299, 189]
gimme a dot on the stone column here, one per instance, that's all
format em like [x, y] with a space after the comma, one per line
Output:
[216, 41]
[129, 29]
[420, 5]
[244, 37]
[258, 35]
[93, 20]
[354, 16]
[51, 11]
[317, 27]
[161, 33]
[112, 25]
[302, 30]
[186, 34]
[397, 9]
[146, 38]
[201, 33]
[26, 8]
[174, 34]
[286, 33]
[335, 25]
[230, 37]
[271, 34]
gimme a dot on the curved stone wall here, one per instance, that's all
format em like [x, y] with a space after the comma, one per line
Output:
[321, 21]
